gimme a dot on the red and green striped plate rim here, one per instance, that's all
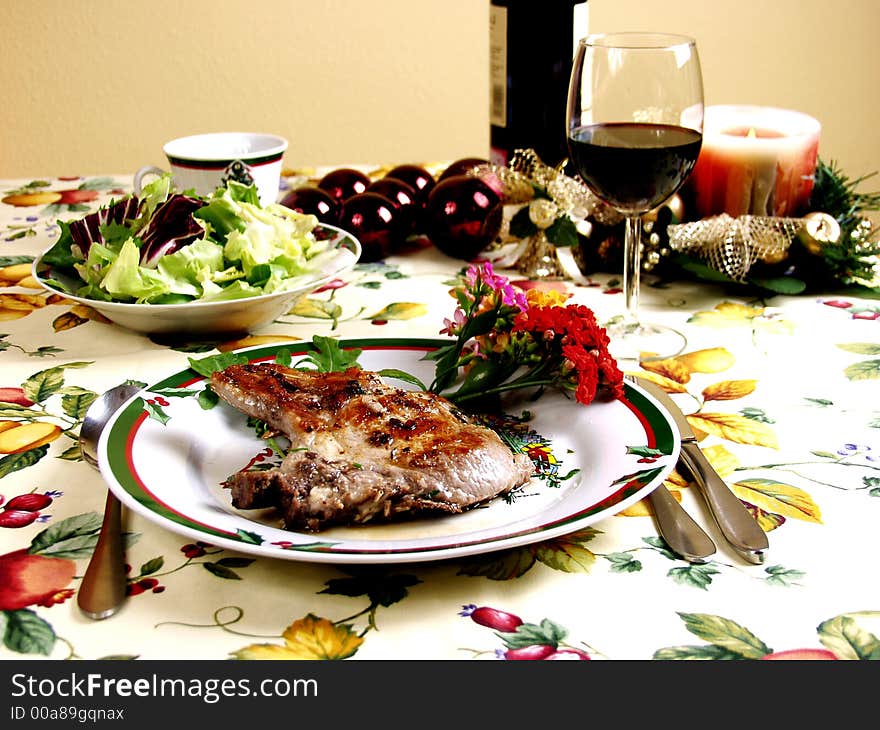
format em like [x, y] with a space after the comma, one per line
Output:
[659, 434]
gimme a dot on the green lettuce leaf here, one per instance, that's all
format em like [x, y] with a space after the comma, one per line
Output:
[186, 269]
[126, 279]
[244, 250]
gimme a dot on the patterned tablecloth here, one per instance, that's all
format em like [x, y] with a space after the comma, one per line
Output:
[785, 393]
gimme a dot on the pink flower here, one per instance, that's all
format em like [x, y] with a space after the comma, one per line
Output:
[499, 284]
[453, 326]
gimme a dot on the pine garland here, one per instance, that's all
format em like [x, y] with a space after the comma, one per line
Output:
[834, 193]
[852, 259]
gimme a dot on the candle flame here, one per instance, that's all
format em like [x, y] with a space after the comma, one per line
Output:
[752, 133]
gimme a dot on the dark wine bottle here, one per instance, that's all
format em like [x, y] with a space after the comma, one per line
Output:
[531, 46]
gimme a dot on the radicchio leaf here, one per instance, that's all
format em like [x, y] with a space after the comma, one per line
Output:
[171, 227]
[87, 230]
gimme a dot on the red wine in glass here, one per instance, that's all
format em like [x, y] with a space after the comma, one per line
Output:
[634, 167]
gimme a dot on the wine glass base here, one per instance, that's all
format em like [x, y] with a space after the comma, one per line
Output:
[643, 342]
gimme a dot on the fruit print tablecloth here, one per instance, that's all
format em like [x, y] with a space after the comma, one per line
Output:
[785, 393]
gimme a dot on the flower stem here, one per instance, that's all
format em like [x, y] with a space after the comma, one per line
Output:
[503, 388]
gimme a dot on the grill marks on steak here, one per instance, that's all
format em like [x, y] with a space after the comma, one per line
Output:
[363, 450]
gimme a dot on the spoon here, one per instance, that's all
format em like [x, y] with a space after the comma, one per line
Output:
[102, 589]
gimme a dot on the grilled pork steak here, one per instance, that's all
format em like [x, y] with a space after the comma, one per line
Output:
[363, 450]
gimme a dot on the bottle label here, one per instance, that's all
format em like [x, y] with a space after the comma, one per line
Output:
[498, 66]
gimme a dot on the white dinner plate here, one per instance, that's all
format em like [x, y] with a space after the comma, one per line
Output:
[591, 462]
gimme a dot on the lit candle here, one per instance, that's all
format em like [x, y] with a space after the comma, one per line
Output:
[756, 161]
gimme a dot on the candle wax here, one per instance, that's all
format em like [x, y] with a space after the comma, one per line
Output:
[755, 161]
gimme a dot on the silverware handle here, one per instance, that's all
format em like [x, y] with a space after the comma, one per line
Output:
[736, 523]
[679, 529]
[102, 589]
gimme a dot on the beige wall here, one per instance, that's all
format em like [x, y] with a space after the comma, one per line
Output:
[98, 85]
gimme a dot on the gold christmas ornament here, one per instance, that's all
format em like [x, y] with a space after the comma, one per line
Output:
[819, 230]
[675, 205]
[774, 257]
[653, 248]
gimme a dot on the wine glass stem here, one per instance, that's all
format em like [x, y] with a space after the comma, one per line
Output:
[632, 265]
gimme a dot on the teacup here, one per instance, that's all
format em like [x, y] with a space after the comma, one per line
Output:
[205, 162]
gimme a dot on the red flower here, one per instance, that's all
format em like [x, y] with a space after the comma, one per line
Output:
[568, 654]
[15, 395]
[574, 321]
[587, 372]
[581, 341]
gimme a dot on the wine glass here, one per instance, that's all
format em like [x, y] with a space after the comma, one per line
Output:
[635, 128]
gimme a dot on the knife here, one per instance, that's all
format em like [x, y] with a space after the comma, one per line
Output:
[683, 535]
[734, 521]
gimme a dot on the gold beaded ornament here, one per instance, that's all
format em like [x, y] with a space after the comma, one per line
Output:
[732, 245]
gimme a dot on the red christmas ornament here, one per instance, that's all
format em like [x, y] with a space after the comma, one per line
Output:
[404, 198]
[375, 222]
[344, 182]
[463, 216]
[462, 167]
[418, 177]
[314, 201]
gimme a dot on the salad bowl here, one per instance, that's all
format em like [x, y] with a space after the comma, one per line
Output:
[205, 319]
[182, 266]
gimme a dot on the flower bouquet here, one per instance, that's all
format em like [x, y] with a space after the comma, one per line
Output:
[507, 340]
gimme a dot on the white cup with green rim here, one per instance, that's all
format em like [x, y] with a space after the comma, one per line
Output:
[205, 162]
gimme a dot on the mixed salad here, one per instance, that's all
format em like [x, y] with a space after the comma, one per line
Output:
[165, 247]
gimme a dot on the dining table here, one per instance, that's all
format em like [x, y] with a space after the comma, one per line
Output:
[782, 392]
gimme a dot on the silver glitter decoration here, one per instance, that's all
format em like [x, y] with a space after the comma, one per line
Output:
[731, 245]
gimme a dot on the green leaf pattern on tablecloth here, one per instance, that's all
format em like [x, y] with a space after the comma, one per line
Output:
[75, 537]
[841, 636]
[25, 632]
[14, 462]
[775, 489]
